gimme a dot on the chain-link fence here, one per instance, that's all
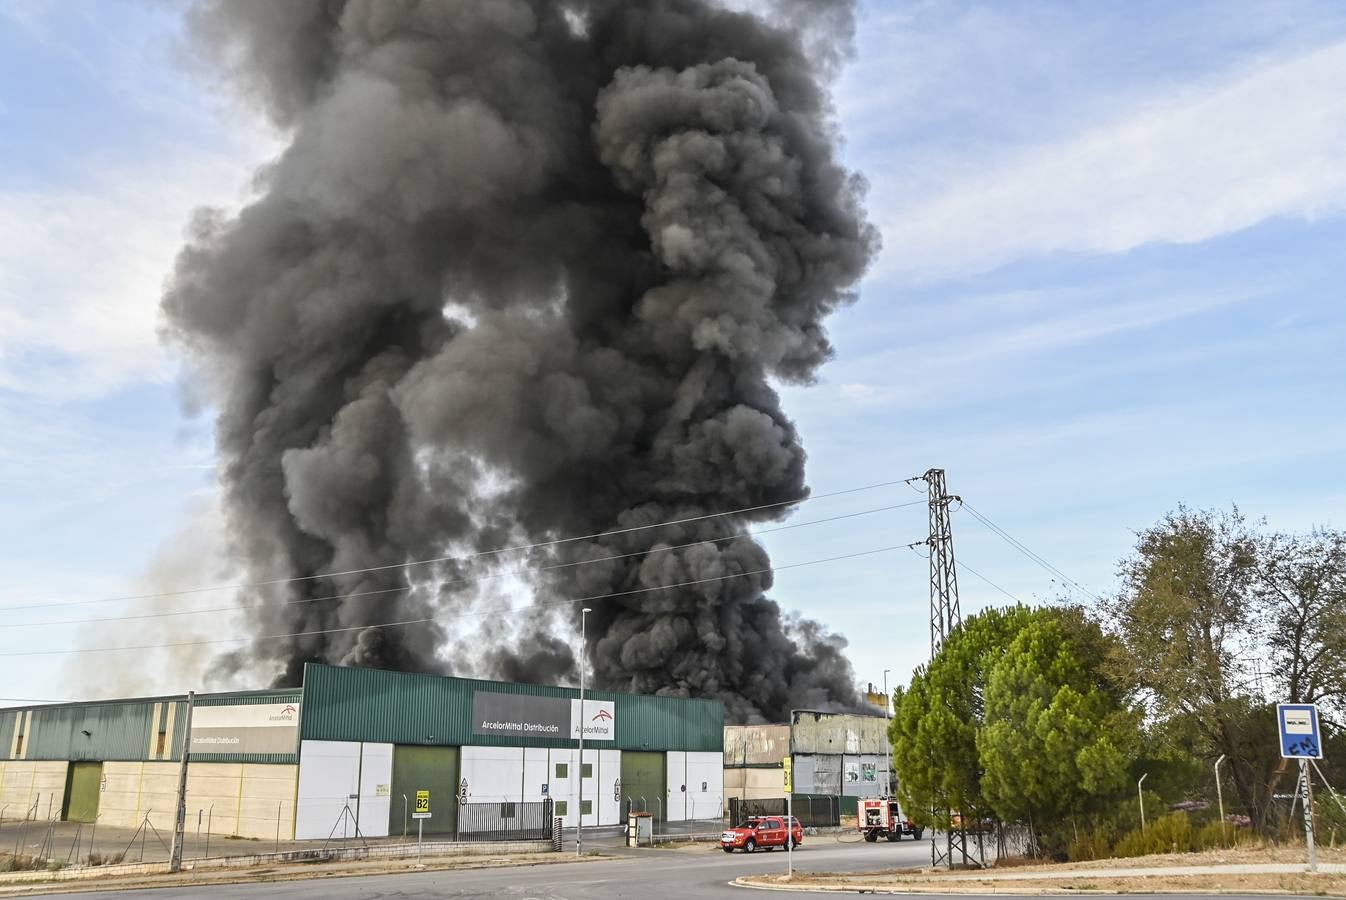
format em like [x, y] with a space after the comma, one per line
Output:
[812, 810]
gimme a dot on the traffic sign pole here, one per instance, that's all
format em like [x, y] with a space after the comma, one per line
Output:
[1308, 814]
[1301, 738]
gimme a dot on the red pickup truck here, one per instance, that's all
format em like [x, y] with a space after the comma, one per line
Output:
[766, 832]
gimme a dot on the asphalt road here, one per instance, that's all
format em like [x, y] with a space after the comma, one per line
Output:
[649, 875]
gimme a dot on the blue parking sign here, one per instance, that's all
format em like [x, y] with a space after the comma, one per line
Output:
[1298, 724]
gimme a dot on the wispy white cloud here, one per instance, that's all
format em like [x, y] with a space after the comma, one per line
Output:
[983, 336]
[82, 267]
[1189, 165]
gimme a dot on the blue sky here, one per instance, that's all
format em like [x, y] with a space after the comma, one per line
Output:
[1110, 284]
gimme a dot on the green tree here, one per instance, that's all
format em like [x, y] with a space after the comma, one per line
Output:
[1204, 597]
[937, 717]
[1057, 738]
[1301, 608]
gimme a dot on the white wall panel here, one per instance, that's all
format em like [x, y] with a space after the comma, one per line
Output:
[607, 785]
[605, 766]
[494, 774]
[376, 781]
[705, 785]
[675, 781]
[563, 788]
[328, 776]
[535, 775]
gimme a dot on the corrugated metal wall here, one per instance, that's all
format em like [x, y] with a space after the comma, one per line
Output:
[820, 732]
[120, 730]
[756, 745]
[7, 720]
[348, 704]
[251, 698]
[115, 731]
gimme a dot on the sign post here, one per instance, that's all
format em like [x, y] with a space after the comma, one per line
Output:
[788, 763]
[1301, 739]
[420, 815]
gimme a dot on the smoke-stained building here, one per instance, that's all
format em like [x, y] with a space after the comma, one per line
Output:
[355, 746]
[834, 755]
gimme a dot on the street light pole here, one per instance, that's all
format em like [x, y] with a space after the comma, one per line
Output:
[579, 823]
[1140, 793]
[1219, 794]
[887, 739]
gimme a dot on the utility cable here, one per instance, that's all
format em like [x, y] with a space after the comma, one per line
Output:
[429, 619]
[964, 566]
[1022, 548]
[461, 557]
[442, 584]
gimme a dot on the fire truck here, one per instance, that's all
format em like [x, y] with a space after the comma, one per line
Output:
[883, 818]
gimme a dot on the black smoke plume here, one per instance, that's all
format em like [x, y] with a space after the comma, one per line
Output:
[526, 270]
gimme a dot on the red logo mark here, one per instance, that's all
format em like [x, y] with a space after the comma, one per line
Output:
[288, 709]
[602, 714]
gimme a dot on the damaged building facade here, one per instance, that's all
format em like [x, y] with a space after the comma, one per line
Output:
[837, 755]
[355, 746]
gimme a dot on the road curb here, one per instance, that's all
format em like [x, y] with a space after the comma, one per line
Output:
[988, 890]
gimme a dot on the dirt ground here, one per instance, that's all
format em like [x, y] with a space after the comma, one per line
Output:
[280, 872]
[1018, 879]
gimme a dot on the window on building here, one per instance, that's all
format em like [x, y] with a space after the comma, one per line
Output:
[18, 746]
[562, 770]
[507, 810]
[161, 743]
[587, 771]
[562, 807]
[587, 808]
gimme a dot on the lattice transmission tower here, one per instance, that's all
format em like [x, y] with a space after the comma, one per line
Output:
[945, 615]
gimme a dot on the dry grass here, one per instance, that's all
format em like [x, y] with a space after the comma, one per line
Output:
[943, 881]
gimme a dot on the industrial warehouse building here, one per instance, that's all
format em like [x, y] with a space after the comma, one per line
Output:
[355, 746]
[833, 755]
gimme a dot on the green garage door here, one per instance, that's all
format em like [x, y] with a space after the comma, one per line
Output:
[82, 783]
[433, 769]
[643, 776]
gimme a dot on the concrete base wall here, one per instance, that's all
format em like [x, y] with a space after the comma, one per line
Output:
[24, 782]
[230, 798]
[754, 784]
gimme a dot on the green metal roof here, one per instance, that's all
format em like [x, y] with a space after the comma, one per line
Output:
[119, 730]
[352, 704]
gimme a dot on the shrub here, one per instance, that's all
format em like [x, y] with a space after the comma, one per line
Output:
[1089, 845]
[1168, 834]
[56, 865]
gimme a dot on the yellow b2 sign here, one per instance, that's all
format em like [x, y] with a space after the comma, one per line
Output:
[422, 801]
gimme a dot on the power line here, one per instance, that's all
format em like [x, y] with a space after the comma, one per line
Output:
[1022, 548]
[428, 619]
[461, 557]
[963, 565]
[476, 578]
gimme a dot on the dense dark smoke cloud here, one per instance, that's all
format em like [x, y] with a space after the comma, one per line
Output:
[526, 270]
